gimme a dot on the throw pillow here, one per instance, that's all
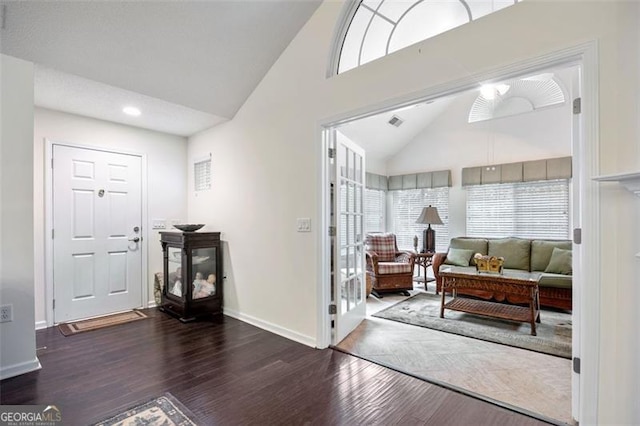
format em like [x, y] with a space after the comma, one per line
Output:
[560, 262]
[458, 257]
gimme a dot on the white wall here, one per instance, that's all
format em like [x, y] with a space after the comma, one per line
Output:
[17, 338]
[266, 165]
[166, 177]
[451, 142]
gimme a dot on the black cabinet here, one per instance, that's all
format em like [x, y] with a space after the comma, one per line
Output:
[192, 274]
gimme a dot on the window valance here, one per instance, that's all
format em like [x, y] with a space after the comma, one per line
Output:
[527, 171]
[374, 181]
[438, 179]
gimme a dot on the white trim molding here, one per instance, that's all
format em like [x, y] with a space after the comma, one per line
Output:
[41, 325]
[631, 181]
[20, 368]
[273, 328]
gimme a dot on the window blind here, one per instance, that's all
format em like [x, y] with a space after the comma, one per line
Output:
[524, 209]
[406, 208]
[375, 205]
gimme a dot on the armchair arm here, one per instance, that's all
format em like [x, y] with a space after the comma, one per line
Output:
[372, 261]
[406, 257]
[437, 260]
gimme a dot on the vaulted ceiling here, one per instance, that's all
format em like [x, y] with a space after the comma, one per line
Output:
[204, 57]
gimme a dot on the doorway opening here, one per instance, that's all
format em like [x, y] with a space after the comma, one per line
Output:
[579, 142]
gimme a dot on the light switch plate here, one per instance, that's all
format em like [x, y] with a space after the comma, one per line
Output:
[303, 224]
[158, 224]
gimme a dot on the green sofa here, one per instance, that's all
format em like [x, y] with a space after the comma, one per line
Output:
[533, 255]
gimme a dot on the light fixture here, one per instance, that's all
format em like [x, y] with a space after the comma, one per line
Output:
[430, 216]
[130, 110]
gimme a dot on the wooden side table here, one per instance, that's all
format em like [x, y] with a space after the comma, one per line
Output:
[423, 260]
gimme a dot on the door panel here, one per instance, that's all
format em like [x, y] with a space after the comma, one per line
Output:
[97, 203]
[349, 276]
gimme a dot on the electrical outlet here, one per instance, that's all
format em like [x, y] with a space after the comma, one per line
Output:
[6, 313]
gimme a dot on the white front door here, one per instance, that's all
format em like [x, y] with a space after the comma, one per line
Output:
[349, 263]
[97, 235]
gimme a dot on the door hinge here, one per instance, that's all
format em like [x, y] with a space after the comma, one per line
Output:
[577, 105]
[52, 233]
[576, 365]
[54, 303]
[333, 309]
[332, 231]
[332, 153]
[577, 236]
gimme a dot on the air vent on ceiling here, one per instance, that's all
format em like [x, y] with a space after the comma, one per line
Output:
[396, 121]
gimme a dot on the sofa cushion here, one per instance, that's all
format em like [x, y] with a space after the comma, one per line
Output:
[393, 268]
[560, 262]
[541, 252]
[478, 245]
[459, 257]
[516, 252]
[555, 280]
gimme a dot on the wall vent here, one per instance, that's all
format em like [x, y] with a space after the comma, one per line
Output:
[396, 121]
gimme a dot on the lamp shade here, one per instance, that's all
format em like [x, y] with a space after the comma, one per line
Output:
[429, 215]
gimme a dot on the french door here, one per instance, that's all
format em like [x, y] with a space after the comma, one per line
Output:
[348, 265]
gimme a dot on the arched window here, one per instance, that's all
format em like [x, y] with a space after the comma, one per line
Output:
[380, 27]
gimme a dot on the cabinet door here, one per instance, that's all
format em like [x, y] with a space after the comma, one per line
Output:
[204, 269]
[175, 277]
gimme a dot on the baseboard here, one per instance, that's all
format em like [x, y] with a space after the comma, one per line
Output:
[41, 324]
[273, 328]
[21, 368]
[151, 304]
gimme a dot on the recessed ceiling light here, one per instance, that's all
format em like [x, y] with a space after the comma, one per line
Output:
[133, 111]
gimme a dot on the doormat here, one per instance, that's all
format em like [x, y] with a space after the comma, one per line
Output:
[423, 309]
[161, 411]
[71, 328]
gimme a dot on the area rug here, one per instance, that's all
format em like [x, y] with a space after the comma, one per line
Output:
[423, 309]
[71, 328]
[162, 411]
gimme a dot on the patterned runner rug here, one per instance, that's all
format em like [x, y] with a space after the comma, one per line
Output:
[423, 309]
[162, 411]
[71, 328]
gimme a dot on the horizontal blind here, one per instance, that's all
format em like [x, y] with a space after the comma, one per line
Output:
[406, 208]
[375, 205]
[524, 209]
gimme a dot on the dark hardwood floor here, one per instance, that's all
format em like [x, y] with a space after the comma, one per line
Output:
[230, 373]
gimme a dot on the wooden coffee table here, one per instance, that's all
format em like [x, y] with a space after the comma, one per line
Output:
[521, 284]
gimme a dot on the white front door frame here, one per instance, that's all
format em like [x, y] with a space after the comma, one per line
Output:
[48, 229]
[587, 152]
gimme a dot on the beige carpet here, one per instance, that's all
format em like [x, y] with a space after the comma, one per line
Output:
[423, 309]
[71, 328]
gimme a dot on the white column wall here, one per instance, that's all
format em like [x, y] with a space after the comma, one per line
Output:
[17, 338]
[166, 179]
[266, 170]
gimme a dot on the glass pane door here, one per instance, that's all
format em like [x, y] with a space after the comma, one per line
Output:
[349, 242]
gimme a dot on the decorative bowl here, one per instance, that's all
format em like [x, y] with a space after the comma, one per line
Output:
[189, 227]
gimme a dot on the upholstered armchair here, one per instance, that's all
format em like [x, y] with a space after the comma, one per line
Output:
[388, 269]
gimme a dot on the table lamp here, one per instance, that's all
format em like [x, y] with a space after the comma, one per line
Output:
[429, 216]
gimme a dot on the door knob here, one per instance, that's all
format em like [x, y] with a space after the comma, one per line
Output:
[135, 239]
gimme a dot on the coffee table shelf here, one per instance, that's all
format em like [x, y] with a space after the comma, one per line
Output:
[491, 309]
[521, 284]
